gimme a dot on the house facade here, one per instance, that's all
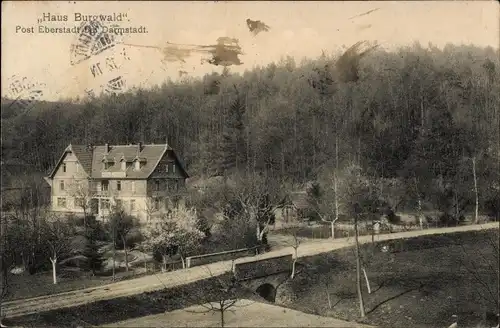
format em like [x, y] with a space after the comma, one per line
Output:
[143, 180]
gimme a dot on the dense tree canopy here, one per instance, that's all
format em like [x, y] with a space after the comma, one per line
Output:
[418, 114]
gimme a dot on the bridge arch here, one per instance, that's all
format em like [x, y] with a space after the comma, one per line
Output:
[267, 291]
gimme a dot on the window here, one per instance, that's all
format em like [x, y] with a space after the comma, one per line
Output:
[132, 205]
[119, 204]
[79, 202]
[173, 168]
[166, 168]
[124, 165]
[118, 185]
[104, 185]
[61, 185]
[61, 202]
[105, 204]
[133, 186]
[157, 185]
[107, 165]
[157, 204]
[64, 167]
[137, 165]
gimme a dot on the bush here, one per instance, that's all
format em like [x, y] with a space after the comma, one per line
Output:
[392, 217]
[492, 208]
[450, 220]
[230, 234]
[133, 238]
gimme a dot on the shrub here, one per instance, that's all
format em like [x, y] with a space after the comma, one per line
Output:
[450, 220]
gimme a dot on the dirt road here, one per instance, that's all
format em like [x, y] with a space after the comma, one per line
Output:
[180, 277]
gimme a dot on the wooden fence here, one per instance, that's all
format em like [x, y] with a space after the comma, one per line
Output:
[221, 256]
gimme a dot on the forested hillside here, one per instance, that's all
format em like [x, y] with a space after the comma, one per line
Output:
[422, 115]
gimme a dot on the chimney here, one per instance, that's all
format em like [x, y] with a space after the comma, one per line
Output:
[106, 148]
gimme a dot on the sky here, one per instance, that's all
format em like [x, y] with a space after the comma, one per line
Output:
[33, 60]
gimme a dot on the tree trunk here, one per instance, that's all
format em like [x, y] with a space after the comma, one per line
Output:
[54, 272]
[373, 232]
[183, 262]
[126, 253]
[476, 212]
[114, 262]
[222, 323]
[164, 262]
[294, 262]
[367, 281]
[328, 297]
[358, 269]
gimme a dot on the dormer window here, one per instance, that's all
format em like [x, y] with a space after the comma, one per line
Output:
[124, 165]
[108, 162]
[139, 163]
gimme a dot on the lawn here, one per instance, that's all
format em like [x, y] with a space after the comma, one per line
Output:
[246, 314]
[419, 282]
[27, 285]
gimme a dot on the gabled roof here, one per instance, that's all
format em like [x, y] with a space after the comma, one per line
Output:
[91, 159]
[82, 153]
[297, 199]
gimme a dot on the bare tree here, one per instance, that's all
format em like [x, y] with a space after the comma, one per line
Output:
[150, 208]
[121, 225]
[326, 204]
[227, 296]
[58, 234]
[83, 192]
[295, 245]
[259, 197]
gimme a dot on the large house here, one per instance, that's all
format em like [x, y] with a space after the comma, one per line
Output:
[143, 180]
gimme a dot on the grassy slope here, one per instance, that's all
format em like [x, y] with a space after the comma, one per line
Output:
[422, 283]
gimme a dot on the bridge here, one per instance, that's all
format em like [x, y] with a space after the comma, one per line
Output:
[264, 276]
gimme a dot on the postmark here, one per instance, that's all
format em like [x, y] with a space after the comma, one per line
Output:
[101, 56]
[24, 93]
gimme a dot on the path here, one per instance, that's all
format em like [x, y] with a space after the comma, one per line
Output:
[181, 277]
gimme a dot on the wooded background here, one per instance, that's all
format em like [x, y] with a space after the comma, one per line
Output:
[418, 115]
